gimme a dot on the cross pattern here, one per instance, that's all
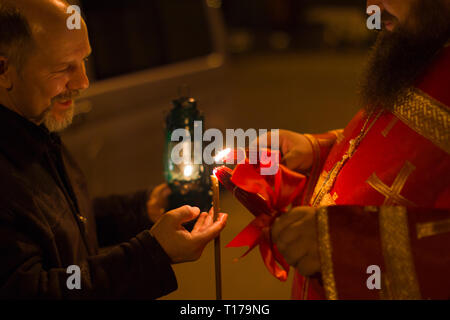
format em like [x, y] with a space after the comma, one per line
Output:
[392, 193]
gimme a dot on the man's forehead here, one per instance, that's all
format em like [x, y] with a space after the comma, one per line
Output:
[65, 46]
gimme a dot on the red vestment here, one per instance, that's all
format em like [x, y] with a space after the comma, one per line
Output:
[388, 204]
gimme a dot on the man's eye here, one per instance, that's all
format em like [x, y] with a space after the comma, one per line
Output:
[63, 70]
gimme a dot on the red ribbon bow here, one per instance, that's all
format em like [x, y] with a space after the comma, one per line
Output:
[266, 197]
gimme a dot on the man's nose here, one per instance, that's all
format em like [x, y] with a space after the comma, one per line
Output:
[79, 80]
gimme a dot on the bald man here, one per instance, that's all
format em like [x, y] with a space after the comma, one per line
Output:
[51, 233]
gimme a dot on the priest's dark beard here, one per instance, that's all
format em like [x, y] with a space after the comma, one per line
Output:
[399, 57]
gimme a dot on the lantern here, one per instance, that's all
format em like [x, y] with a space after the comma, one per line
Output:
[188, 179]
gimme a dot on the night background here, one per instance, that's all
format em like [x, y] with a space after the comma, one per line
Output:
[263, 64]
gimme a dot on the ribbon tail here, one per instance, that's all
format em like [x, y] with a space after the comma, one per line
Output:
[270, 262]
[279, 258]
[250, 237]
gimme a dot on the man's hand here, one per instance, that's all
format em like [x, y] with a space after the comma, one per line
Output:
[180, 244]
[158, 202]
[295, 236]
[296, 150]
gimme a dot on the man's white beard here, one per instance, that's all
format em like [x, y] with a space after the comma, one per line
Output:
[56, 125]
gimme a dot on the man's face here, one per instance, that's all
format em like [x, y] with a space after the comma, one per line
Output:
[52, 76]
[414, 32]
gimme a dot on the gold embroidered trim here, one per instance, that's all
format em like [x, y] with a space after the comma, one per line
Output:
[327, 200]
[328, 183]
[315, 170]
[335, 196]
[318, 186]
[328, 279]
[392, 194]
[425, 115]
[397, 254]
[429, 229]
[385, 291]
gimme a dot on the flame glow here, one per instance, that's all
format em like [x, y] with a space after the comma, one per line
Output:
[188, 171]
[222, 154]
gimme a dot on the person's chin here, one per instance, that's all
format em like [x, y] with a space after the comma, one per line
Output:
[59, 118]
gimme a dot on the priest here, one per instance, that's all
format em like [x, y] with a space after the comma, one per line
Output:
[375, 217]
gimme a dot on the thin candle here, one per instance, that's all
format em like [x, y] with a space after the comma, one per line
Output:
[216, 208]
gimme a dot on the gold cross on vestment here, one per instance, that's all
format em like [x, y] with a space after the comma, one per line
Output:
[392, 194]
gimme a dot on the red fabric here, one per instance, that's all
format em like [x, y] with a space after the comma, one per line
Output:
[435, 81]
[307, 288]
[431, 254]
[383, 153]
[356, 244]
[279, 191]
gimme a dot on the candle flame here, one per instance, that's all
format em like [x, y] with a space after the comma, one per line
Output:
[222, 154]
[188, 171]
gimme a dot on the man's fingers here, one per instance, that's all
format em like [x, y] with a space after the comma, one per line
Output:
[293, 159]
[263, 141]
[290, 234]
[159, 196]
[163, 195]
[294, 252]
[159, 188]
[162, 190]
[212, 231]
[210, 217]
[287, 219]
[307, 266]
[200, 222]
[183, 214]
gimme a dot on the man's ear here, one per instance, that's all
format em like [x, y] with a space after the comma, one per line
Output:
[5, 73]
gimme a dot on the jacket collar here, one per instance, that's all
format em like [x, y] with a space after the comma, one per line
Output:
[22, 141]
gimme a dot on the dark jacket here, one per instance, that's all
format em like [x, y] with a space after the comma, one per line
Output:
[48, 222]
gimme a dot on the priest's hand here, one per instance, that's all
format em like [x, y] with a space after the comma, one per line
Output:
[180, 244]
[296, 150]
[295, 235]
[158, 201]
